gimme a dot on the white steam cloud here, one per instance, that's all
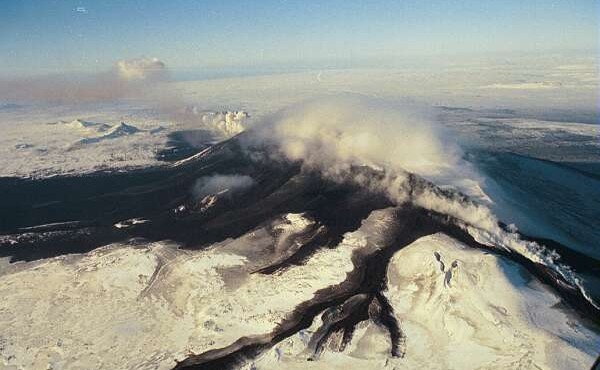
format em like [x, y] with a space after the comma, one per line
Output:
[221, 184]
[336, 133]
[333, 135]
[141, 69]
[225, 124]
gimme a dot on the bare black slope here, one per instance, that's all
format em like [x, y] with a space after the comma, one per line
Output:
[79, 213]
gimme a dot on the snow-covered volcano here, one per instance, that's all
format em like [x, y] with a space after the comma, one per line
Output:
[114, 132]
[84, 126]
[367, 269]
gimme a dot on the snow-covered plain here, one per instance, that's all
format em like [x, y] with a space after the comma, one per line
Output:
[572, 82]
[64, 143]
[38, 142]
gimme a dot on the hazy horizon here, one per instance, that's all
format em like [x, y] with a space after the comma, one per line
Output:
[53, 37]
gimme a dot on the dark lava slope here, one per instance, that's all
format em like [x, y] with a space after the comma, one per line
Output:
[78, 214]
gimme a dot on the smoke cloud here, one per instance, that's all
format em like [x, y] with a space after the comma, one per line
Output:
[140, 79]
[133, 78]
[221, 184]
[335, 134]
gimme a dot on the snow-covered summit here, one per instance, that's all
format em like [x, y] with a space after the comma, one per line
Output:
[114, 132]
[122, 129]
[83, 125]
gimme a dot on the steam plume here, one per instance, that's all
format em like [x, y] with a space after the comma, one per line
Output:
[231, 184]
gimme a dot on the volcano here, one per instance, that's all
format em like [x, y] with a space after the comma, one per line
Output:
[294, 269]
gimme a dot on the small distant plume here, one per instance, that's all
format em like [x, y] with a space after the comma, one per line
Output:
[141, 69]
[221, 184]
[132, 78]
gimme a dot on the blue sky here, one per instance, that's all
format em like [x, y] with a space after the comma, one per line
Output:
[44, 36]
